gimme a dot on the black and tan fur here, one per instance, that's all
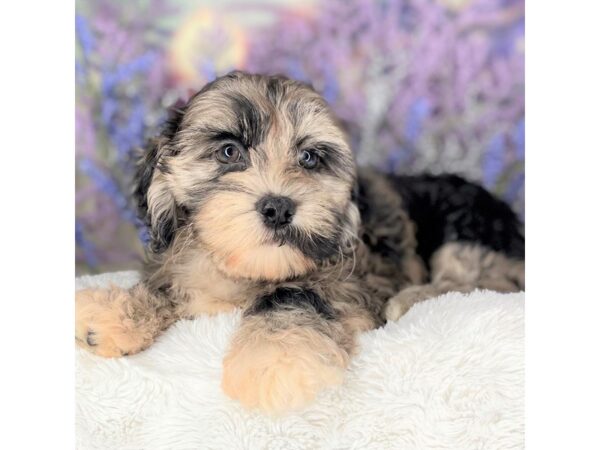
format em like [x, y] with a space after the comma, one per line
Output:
[348, 259]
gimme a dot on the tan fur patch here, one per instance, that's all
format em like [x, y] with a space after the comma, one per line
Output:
[281, 371]
[103, 327]
[203, 289]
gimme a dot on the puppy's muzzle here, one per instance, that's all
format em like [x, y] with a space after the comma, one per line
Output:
[276, 212]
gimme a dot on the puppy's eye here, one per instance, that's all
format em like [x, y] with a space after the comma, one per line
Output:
[308, 159]
[228, 154]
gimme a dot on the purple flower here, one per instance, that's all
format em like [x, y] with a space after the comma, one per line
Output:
[418, 112]
[84, 34]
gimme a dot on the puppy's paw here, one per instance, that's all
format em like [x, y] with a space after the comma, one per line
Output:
[277, 378]
[400, 303]
[102, 325]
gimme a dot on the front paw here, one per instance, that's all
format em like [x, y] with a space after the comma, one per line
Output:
[277, 377]
[102, 326]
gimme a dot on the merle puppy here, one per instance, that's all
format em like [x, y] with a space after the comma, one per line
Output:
[254, 201]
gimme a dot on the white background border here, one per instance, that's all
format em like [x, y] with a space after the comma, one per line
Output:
[37, 224]
[563, 225]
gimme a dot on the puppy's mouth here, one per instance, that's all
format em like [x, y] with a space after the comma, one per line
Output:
[280, 236]
[312, 245]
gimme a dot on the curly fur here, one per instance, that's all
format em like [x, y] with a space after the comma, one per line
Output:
[357, 240]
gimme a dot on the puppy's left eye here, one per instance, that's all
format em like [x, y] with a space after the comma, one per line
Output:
[308, 159]
[228, 154]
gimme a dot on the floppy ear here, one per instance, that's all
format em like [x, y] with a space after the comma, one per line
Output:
[155, 202]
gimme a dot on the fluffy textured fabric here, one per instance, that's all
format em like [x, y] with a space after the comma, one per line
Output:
[448, 375]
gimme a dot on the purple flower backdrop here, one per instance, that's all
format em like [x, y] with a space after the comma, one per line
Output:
[420, 85]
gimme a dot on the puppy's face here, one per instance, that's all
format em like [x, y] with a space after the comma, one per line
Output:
[262, 172]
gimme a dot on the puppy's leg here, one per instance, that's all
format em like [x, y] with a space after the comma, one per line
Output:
[290, 346]
[461, 267]
[116, 322]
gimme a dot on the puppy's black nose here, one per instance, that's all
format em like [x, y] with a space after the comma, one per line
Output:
[276, 211]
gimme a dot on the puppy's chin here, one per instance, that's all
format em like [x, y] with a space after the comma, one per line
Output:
[267, 262]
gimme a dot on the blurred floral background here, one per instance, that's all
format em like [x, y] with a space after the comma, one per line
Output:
[421, 85]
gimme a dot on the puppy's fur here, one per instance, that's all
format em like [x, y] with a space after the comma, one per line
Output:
[357, 248]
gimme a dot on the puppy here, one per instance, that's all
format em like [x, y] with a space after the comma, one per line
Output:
[253, 201]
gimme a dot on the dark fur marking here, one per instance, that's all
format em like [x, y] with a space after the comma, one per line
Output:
[163, 232]
[275, 89]
[448, 208]
[286, 298]
[173, 122]
[252, 123]
[143, 178]
[215, 134]
[382, 228]
[161, 235]
[314, 246]
[384, 247]
[163, 289]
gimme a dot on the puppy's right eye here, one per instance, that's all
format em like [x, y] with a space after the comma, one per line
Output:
[308, 159]
[228, 154]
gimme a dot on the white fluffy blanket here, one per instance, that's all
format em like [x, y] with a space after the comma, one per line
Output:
[447, 375]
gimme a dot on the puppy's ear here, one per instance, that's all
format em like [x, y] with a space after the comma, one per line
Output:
[155, 202]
